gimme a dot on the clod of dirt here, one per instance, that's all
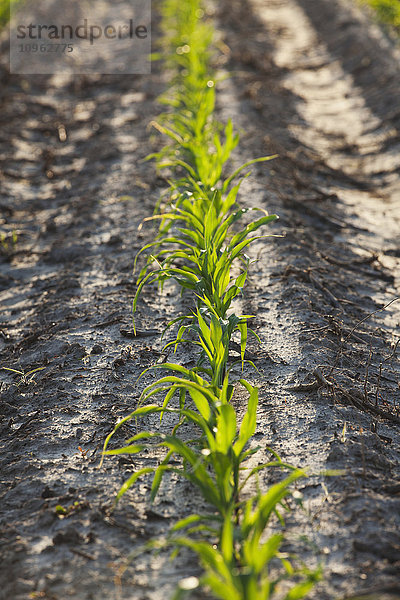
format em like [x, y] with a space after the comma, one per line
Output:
[6, 409]
[75, 349]
[114, 239]
[48, 493]
[97, 349]
[68, 536]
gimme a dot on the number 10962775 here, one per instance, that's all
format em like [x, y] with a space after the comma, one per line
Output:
[59, 48]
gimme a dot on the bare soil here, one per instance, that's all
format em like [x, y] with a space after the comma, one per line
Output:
[314, 82]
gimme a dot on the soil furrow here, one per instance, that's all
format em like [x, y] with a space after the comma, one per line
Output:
[67, 310]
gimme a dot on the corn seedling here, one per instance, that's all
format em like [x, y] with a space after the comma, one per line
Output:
[201, 260]
[211, 461]
[24, 378]
[201, 253]
[239, 567]
[8, 242]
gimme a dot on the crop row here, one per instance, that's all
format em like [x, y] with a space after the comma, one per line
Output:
[200, 245]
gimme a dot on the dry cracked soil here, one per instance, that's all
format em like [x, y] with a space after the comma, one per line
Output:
[316, 83]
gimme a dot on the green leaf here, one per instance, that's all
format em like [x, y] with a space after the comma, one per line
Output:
[158, 475]
[186, 522]
[234, 245]
[132, 479]
[243, 340]
[201, 402]
[132, 449]
[226, 428]
[227, 539]
[244, 166]
[265, 552]
[249, 423]
[300, 590]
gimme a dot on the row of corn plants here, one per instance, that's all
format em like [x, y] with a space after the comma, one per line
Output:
[200, 246]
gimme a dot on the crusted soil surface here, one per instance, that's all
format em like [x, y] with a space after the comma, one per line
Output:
[315, 83]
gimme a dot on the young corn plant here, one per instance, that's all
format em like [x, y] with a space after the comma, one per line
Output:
[238, 568]
[200, 257]
[213, 460]
[201, 252]
[186, 43]
[200, 145]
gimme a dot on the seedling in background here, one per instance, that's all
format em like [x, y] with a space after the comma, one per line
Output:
[63, 512]
[25, 378]
[8, 242]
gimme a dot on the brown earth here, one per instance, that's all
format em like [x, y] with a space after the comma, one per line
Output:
[314, 82]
